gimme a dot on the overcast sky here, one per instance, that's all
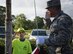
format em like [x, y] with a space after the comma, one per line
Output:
[27, 7]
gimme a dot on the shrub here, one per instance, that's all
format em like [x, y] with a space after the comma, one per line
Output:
[2, 46]
[33, 44]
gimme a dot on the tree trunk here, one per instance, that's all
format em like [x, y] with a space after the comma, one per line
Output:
[8, 28]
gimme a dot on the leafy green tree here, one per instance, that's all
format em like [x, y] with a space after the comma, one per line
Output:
[29, 24]
[19, 21]
[39, 22]
[2, 15]
[13, 19]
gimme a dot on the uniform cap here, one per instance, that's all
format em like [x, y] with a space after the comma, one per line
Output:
[53, 3]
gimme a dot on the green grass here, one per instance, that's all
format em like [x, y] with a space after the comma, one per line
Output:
[2, 42]
[2, 46]
[28, 32]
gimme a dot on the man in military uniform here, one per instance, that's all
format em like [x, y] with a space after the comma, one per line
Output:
[60, 37]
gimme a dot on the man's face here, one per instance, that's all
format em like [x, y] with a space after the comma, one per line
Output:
[52, 12]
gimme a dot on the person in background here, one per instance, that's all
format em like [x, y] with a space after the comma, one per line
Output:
[60, 34]
[21, 45]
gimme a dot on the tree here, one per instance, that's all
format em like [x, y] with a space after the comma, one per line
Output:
[19, 21]
[2, 15]
[39, 21]
[29, 25]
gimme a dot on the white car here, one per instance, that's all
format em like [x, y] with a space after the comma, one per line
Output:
[39, 35]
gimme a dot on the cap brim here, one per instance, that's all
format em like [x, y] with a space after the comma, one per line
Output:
[48, 7]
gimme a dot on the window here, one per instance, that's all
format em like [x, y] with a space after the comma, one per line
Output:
[2, 31]
[40, 33]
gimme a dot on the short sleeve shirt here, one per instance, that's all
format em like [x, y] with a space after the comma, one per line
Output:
[21, 47]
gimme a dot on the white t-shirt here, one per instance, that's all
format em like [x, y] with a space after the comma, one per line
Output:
[52, 18]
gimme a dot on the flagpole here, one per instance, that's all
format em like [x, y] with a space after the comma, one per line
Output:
[36, 17]
[35, 13]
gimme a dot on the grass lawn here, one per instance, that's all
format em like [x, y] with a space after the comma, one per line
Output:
[28, 32]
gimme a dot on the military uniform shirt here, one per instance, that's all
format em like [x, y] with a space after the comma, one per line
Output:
[59, 28]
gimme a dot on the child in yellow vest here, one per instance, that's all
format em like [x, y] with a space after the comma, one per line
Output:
[21, 45]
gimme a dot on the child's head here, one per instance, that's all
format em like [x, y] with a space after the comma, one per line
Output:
[21, 32]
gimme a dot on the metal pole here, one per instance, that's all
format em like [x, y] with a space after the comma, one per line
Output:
[35, 13]
[36, 17]
[8, 28]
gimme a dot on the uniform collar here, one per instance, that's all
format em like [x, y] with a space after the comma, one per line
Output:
[57, 16]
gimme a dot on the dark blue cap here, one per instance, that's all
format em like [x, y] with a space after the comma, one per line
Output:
[53, 3]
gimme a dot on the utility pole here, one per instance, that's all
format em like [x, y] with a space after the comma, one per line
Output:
[8, 28]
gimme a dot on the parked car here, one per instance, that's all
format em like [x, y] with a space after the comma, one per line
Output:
[2, 31]
[39, 35]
